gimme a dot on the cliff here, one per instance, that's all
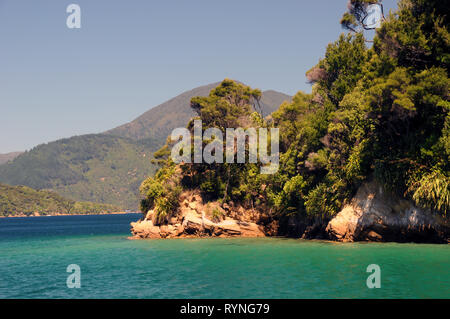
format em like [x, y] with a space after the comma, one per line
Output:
[378, 215]
[373, 215]
[194, 218]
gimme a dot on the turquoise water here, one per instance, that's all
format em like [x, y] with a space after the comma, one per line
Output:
[35, 252]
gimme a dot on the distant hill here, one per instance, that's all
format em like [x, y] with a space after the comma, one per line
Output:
[5, 158]
[23, 200]
[154, 126]
[97, 168]
[271, 101]
[109, 168]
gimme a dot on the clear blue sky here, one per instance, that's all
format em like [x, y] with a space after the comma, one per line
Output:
[129, 56]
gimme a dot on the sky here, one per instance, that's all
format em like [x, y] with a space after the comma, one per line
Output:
[129, 56]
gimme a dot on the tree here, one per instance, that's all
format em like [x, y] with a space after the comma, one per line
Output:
[380, 112]
[68, 205]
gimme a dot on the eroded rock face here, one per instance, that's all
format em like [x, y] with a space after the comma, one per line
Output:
[194, 220]
[377, 215]
[373, 215]
[145, 229]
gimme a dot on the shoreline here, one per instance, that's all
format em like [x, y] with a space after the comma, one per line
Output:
[64, 214]
[318, 240]
[372, 216]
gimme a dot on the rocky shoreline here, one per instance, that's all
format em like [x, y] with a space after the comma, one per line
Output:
[377, 215]
[197, 219]
[373, 215]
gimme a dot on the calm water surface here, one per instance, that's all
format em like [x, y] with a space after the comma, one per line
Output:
[35, 252]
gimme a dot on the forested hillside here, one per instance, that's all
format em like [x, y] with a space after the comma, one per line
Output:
[97, 168]
[376, 110]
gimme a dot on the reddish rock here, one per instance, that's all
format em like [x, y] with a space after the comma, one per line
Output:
[195, 222]
[145, 229]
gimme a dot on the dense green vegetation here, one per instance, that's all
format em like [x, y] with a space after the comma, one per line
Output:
[22, 200]
[96, 168]
[379, 111]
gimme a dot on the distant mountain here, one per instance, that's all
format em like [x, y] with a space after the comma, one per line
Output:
[271, 101]
[5, 158]
[154, 126]
[23, 200]
[97, 168]
[109, 168]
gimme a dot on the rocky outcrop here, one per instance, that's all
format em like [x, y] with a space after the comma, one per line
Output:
[196, 219]
[373, 215]
[377, 215]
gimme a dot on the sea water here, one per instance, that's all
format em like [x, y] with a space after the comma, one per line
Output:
[35, 253]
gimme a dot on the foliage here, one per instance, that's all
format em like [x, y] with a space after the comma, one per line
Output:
[215, 213]
[341, 68]
[378, 112]
[432, 191]
[160, 193]
[18, 200]
[97, 168]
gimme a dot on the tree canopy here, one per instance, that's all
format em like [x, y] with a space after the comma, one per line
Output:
[380, 112]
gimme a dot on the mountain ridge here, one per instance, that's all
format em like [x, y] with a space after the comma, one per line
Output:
[153, 126]
[109, 167]
[5, 158]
